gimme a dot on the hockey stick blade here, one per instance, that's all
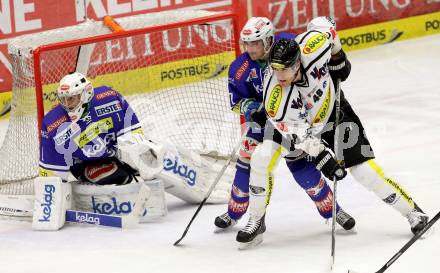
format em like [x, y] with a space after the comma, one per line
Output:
[407, 245]
[176, 243]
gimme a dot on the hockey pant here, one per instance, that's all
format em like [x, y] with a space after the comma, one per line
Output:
[304, 173]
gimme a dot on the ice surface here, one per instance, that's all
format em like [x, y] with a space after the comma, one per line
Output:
[395, 89]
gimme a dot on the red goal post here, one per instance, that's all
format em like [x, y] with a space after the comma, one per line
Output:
[117, 35]
[171, 66]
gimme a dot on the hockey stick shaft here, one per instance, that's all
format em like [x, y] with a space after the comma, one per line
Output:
[335, 181]
[217, 179]
[409, 243]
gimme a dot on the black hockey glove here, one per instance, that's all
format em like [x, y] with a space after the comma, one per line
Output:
[330, 168]
[258, 117]
[339, 67]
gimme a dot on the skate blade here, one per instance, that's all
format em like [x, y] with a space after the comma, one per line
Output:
[256, 241]
[226, 229]
[220, 230]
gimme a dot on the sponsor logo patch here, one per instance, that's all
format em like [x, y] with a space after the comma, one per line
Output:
[93, 131]
[241, 70]
[106, 94]
[180, 169]
[66, 134]
[274, 100]
[314, 43]
[46, 204]
[56, 123]
[323, 110]
[325, 205]
[94, 173]
[391, 199]
[237, 207]
[108, 108]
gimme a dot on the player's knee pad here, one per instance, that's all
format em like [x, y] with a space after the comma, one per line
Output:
[103, 172]
[119, 199]
[52, 199]
[371, 176]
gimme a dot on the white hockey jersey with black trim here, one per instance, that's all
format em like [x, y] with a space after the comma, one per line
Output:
[314, 93]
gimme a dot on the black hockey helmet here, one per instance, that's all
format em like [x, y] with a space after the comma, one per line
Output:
[285, 53]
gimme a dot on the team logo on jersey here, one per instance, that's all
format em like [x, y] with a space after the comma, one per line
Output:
[318, 73]
[108, 108]
[323, 110]
[314, 43]
[274, 100]
[253, 74]
[241, 70]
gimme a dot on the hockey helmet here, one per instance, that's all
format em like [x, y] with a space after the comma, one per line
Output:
[75, 84]
[285, 53]
[258, 28]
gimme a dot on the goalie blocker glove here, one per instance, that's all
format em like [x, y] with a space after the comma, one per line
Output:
[339, 66]
[327, 164]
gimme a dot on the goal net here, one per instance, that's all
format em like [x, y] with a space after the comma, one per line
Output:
[171, 66]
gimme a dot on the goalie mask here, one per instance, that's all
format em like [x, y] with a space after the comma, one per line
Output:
[258, 28]
[74, 93]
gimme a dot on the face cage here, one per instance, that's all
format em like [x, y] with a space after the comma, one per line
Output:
[80, 103]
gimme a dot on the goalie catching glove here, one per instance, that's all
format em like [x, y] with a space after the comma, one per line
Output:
[185, 173]
[142, 154]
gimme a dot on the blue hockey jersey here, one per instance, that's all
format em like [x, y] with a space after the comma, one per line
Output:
[246, 77]
[93, 136]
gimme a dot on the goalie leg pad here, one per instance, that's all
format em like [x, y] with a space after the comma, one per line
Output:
[52, 199]
[120, 200]
[189, 176]
[316, 187]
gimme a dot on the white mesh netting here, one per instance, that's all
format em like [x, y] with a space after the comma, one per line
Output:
[175, 79]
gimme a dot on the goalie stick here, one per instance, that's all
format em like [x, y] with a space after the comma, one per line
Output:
[406, 246]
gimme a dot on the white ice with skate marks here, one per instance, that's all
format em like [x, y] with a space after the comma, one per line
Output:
[394, 89]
